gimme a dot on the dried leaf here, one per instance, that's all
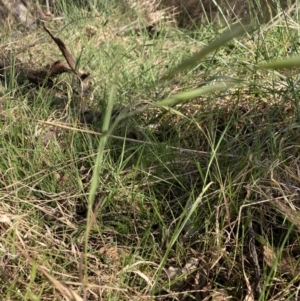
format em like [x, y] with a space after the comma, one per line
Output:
[286, 264]
[65, 50]
[291, 214]
[37, 77]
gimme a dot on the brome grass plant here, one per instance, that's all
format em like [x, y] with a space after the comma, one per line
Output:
[171, 173]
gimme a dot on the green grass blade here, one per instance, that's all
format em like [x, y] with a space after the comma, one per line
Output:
[230, 34]
[281, 64]
[189, 95]
[96, 171]
[102, 143]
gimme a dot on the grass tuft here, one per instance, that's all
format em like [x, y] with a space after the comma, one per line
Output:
[170, 173]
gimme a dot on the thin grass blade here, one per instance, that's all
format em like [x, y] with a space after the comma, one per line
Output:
[281, 64]
[235, 31]
[189, 95]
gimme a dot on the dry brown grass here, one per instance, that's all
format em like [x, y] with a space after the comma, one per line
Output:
[244, 234]
[192, 12]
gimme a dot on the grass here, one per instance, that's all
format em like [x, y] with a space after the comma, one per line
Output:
[190, 193]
